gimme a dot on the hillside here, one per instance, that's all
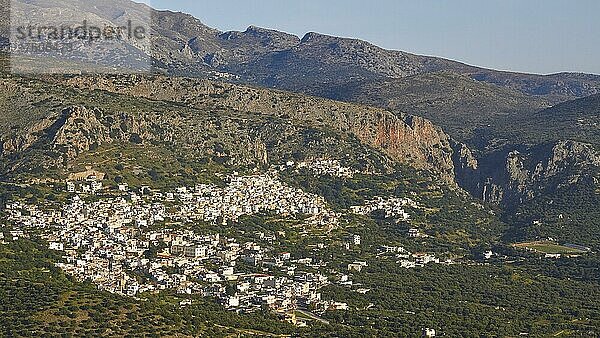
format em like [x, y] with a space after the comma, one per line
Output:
[405, 138]
[420, 144]
[62, 123]
[574, 120]
[456, 103]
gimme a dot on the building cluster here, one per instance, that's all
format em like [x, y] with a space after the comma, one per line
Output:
[326, 167]
[392, 207]
[135, 242]
[89, 185]
[416, 233]
[243, 195]
[249, 195]
[410, 260]
[413, 260]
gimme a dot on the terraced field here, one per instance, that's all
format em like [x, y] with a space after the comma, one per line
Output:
[549, 248]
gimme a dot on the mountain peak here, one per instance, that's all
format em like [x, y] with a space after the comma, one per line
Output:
[264, 36]
[314, 36]
[255, 29]
[319, 38]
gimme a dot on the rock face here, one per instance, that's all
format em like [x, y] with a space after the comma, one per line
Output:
[513, 176]
[73, 131]
[466, 167]
[408, 139]
[216, 126]
[78, 130]
[411, 140]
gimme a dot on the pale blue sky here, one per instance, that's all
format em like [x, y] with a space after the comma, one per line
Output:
[539, 36]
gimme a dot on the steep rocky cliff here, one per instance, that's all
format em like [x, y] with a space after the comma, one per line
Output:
[62, 136]
[514, 175]
[408, 139]
[63, 124]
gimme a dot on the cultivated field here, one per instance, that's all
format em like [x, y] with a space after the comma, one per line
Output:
[548, 248]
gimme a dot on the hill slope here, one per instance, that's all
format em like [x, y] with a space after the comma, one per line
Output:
[220, 109]
[574, 120]
[457, 103]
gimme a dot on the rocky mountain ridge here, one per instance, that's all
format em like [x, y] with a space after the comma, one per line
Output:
[408, 139]
[218, 126]
[183, 45]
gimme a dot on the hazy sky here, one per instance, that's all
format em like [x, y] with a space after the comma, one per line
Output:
[540, 36]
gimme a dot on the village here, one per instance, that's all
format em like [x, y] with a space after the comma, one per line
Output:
[135, 241]
[392, 207]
